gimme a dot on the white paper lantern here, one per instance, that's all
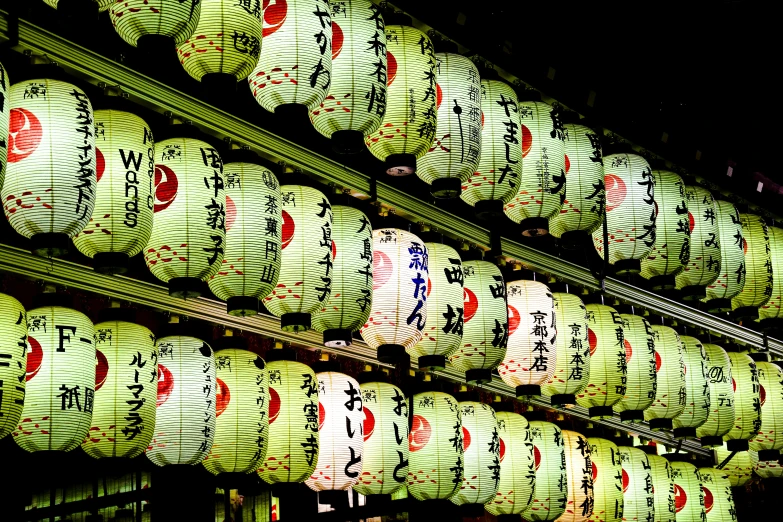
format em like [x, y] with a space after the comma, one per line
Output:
[572, 368]
[607, 481]
[13, 353]
[135, 19]
[770, 312]
[641, 382]
[481, 446]
[758, 268]
[747, 402]
[688, 496]
[5, 84]
[718, 498]
[670, 387]
[769, 440]
[739, 468]
[731, 279]
[766, 468]
[551, 491]
[697, 389]
[721, 416]
[638, 498]
[704, 260]
[663, 485]
[579, 470]
[517, 466]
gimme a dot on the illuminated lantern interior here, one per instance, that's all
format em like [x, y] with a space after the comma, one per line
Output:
[551, 490]
[770, 313]
[607, 481]
[670, 376]
[747, 401]
[688, 495]
[517, 465]
[155, 25]
[662, 484]
[721, 415]
[758, 269]
[731, 279]
[579, 470]
[769, 440]
[765, 468]
[572, 367]
[640, 385]
[718, 498]
[739, 468]
[697, 392]
[704, 260]
[13, 351]
[5, 84]
[637, 483]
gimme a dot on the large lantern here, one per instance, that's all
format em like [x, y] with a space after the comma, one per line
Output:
[295, 65]
[572, 368]
[306, 258]
[541, 188]
[150, 23]
[697, 389]
[436, 444]
[241, 409]
[122, 219]
[13, 352]
[663, 485]
[189, 230]
[254, 226]
[481, 445]
[551, 490]
[739, 468]
[721, 415]
[747, 402]
[485, 322]
[51, 158]
[670, 379]
[408, 127]
[352, 280]
[187, 390]
[670, 253]
[769, 440]
[758, 268]
[606, 385]
[703, 266]
[688, 496]
[60, 389]
[630, 212]
[499, 171]
[766, 468]
[607, 481]
[770, 313]
[456, 150]
[638, 499]
[399, 310]
[5, 84]
[718, 498]
[126, 387]
[731, 279]
[531, 353]
[356, 101]
[641, 381]
[579, 470]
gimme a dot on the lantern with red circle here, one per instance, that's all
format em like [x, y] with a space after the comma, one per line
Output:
[517, 466]
[704, 260]
[551, 490]
[481, 445]
[5, 83]
[731, 279]
[688, 495]
[155, 24]
[766, 468]
[641, 382]
[769, 440]
[718, 498]
[670, 379]
[572, 367]
[13, 352]
[638, 499]
[758, 269]
[770, 313]
[697, 391]
[662, 484]
[607, 481]
[579, 470]
[739, 467]
[747, 402]
[721, 415]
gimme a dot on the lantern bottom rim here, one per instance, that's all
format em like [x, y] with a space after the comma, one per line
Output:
[295, 322]
[337, 498]
[562, 399]
[711, 441]
[662, 282]
[50, 244]
[391, 353]
[185, 287]
[770, 324]
[446, 188]
[78, 8]
[337, 337]
[434, 362]
[376, 500]
[528, 390]
[534, 227]
[489, 209]
[600, 412]
[242, 306]
[660, 424]
[400, 164]
[768, 455]
[631, 415]
[737, 445]
[745, 313]
[693, 292]
[110, 262]
[509, 518]
[684, 433]
[284, 489]
[347, 141]
[471, 510]
[224, 84]
[718, 305]
[478, 375]
[574, 239]
[627, 266]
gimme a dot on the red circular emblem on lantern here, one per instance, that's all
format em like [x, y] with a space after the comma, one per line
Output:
[657, 362]
[502, 450]
[381, 269]
[567, 163]
[321, 416]
[101, 369]
[513, 319]
[745, 245]
[100, 164]
[165, 384]
[391, 68]
[592, 341]
[626, 481]
[527, 140]
[369, 422]
[274, 405]
[762, 395]
[275, 12]
[24, 134]
[680, 498]
[691, 222]
[34, 357]
[222, 397]
[733, 385]
[231, 213]
[615, 191]
[628, 351]
[288, 229]
[465, 439]
[166, 186]
[709, 499]
[471, 304]
[420, 433]
[536, 457]
[337, 39]
[334, 250]
[439, 95]
[595, 471]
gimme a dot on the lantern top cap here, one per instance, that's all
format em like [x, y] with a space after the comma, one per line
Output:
[226, 342]
[281, 354]
[53, 299]
[398, 18]
[127, 315]
[372, 376]
[329, 365]
[650, 450]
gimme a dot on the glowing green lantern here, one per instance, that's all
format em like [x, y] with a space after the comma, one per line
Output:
[607, 481]
[718, 498]
[697, 389]
[731, 279]
[688, 495]
[638, 498]
[13, 352]
[579, 470]
[149, 22]
[642, 378]
[766, 468]
[758, 269]
[550, 497]
[481, 446]
[769, 440]
[572, 368]
[739, 468]
[670, 379]
[517, 466]
[770, 313]
[747, 402]
[663, 485]
[721, 415]
[704, 260]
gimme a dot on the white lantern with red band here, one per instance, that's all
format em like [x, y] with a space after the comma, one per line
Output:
[747, 402]
[758, 269]
[607, 481]
[704, 260]
[399, 310]
[670, 379]
[13, 352]
[688, 495]
[697, 389]
[572, 367]
[126, 387]
[766, 468]
[50, 181]
[638, 499]
[456, 150]
[641, 382]
[189, 229]
[630, 212]
[739, 467]
[663, 485]
[718, 498]
[579, 470]
[5, 84]
[356, 102]
[517, 464]
[721, 415]
[770, 313]
[155, 23]
[769, 440]
[408, 127]
[551, 491]
[731, 279]
[306, 258]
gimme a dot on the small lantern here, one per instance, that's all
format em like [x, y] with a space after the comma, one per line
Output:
[766, 468]
[770, 313]
[718, 498]
[481, 446]
[758, 269]
[572, 368]
[146, 23]
[579, 470]
[739, 468]
[607, 481]
[704, 260]
[721, 415]
[731, 279]
[640, 385]
[747, 402]
[638, 499]
[663, 485]
[769, 440]
[670, 379]
[688, 496]
[551, 490]
[697, 389]
[13, 352]
[5, 84]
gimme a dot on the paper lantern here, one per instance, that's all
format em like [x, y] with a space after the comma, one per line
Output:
[351, 301]
[704, 260]
[641, 377]
[630, 212]
[766, 468]
[385, 466]
[306, 258]
[408, 127]
[670, 253]
[758, 268]
[442, 334]
[499, 171]
[51, 158]
[697, 389]
[718, 498]
[531, 353]
[663, 486]
[731, 279]
[481, 445]
[241, 410]
[769, 440]
[747, 402]
[122, 219]
[13, 352]
[189, 229]
[739, 469]
[579, 473]
[456, 150]
[186, 409]
[485, 324]
[399, 310]
[340, 433]
[356, 101]
[153, 20]
[607, 481]
[292, 447]
[721, 415]
[126, 387]
[436, 447]
[517, 466]
[688, 496]
[541, 190]
[60, 373]
[606, 385]
[551, 491]
[770, 313]
[582, 212]
[572, 368]
[5, 84]
[638, 499]
[670, 387]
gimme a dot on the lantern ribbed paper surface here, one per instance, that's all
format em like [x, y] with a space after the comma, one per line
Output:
[640, 386]
[606, 385]
[295, 65]
[585, 195]
[572, 368]
[579, 471]
[704, 260]
[731, 279]
[747, 401]
[688, 496]
[5, 84]
[517, 466]
[531, 354]
[189, 229]
[670, 253]
[254, 227]
[551, 490]
[292, 450]
[697, 388]
[721, 415]
[340, 433]
[122, 219]
[126, 387]
[771, 309]
[436, 445]
[739, 468]
[481, 445]
[133, 19]
[766, 468]
[670, 379]
[718, 498]
[456, 150]
[758, 264]
[185, 423]
[663, 489]
[541, 188]
[357, 95]
[385, 466]
[306, 261]
[13, 352]
[50, 181]
[770, 435]
[352, 280]
[638, 499]
[607, 481]
[60, 388]
[408, 127]
[485, 321]
[242, 411]
[630, 211]
[442, 335]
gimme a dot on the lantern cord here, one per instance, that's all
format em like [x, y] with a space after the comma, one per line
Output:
[679, 446]
[723, 464]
